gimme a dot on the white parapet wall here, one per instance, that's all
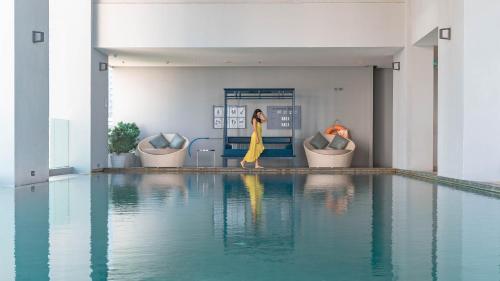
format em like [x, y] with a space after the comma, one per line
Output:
[249, 24]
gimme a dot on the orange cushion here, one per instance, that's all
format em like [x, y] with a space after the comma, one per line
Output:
[337, 129]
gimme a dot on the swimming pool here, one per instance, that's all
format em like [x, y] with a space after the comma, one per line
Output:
[247, 227]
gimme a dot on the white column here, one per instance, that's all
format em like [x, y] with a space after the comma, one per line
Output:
[413, 109]
[451, 91]
[24, 83]
[469, 91]
[481, 120]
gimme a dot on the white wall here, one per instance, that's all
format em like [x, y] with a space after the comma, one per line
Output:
[7, 81]
[481, 157]
[70, 75]
[424, 16]
[451, 91]
[250, 25]
[24, 82]
[77, 89]
[413, 105]
[469, 93]
[163, 99]
[382, 117]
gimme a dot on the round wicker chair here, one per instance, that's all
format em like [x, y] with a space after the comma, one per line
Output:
[329, 158]
[164, 157]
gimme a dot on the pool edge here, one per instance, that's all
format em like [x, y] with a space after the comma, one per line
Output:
[420, 175]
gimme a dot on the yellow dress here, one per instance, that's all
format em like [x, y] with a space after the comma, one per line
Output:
[255, 149]
[255, 190]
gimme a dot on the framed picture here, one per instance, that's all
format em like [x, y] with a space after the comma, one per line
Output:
[242, 111]
[218, 111]
[280, 117]
[219, 123]
[232, 123]
[242, 122]
[233, 111]
[236, 117]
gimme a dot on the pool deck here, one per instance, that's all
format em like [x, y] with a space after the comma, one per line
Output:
[424, 176]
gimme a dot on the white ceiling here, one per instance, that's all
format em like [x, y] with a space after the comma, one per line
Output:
[381, 57]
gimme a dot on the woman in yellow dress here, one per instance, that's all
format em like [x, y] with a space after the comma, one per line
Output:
[256, 146]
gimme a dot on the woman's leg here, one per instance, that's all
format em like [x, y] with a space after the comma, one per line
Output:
[257, 165]
[242, 163]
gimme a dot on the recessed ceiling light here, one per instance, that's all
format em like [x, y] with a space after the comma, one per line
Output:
[167, 62]
[123, 62]
[260, 61]
[115, 55]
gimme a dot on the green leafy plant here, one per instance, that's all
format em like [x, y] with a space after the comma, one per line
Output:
[123, 138]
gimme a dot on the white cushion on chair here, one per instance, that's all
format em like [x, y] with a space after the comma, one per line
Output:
[331, 151]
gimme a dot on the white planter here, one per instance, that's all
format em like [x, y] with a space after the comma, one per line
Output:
[122, 160]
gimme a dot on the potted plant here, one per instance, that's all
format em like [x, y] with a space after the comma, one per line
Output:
[122, 141]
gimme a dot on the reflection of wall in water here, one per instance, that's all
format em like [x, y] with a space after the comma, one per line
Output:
[32, 220]
[382, 226]
[413, 229]
[99, 227]
[271, 228]
[70, 229]
[7, 234]
[340, 240]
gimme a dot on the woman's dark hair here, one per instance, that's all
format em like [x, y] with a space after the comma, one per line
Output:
[254, 116]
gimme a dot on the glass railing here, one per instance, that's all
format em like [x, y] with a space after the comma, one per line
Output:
[59, 143]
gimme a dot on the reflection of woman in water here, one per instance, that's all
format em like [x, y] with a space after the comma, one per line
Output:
[255, 191]
[256, 146]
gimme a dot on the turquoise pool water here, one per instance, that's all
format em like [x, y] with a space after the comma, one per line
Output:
[247, 227]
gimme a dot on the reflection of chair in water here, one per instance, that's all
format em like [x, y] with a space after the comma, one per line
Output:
[255, 191]
[164, 183]
[337, 189]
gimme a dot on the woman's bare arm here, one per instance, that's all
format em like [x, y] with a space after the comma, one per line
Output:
[254, 125]
[263, 117]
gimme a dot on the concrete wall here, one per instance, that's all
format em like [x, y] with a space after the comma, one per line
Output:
[382, 117]
[250, 25]
[181, 99]
[24, 86]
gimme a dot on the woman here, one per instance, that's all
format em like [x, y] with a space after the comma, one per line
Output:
[256, 146]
